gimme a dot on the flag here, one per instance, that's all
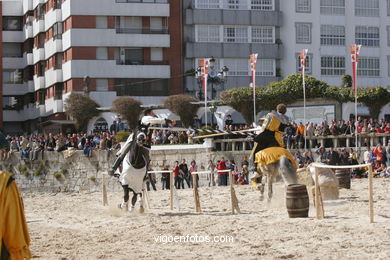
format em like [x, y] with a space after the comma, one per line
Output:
[355, 50]
[302, 59]
[204, 71]
[253, 61]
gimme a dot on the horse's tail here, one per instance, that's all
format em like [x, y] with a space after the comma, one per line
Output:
[287, 170]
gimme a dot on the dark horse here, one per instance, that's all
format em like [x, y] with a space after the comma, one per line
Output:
[135, 165]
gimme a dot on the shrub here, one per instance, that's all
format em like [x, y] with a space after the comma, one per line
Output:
[82, 108]
[57, 175]
[39, 170]
[122, 136]
[183, 106]
[129, 108]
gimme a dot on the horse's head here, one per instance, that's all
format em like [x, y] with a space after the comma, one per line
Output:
[141, 134]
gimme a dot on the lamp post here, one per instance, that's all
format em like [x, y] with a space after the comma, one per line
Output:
[214, 78]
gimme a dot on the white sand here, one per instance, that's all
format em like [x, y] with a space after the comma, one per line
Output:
[78, 226]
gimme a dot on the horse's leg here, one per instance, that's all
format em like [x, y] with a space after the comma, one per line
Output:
[133, 200]
[141, 207]
[125, 203]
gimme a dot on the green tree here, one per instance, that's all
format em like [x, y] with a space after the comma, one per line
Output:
[183, 106]
[129, 108]
[346, 81]
[375, 98]
[81, 108]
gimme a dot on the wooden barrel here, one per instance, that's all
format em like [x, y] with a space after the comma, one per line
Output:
[297, 201]
[344, 178]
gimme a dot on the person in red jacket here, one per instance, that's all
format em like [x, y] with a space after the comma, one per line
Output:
[222, 176]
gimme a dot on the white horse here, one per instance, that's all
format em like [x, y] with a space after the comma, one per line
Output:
[135, 166]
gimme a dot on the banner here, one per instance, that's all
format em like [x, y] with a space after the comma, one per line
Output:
[204, 70]
[355, 50]
[302, 59]
[253, 61]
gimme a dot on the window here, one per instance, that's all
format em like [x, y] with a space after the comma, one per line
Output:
[207, 4]
[368, 67]
[207, 33]
[235, 34]
[59, 57]
[309, 63]
[129, 24]
[131, 56]
[367, 8]
[101, 84]
[12, 76]
[332, 65]
[332, 35]
[57, 4]
[232, 4]
[57, 31]
[40, 12]
[265, 5]
[388, 35]
[367, 36]
[58, 90]
[156, 54]
[303, 32]
[332, 7]
[12, 102]
[101, 22]
[265, 67]
[388, 7]
[263, 34]
[303, 6]
[101, 53]
[12, 49]
[237, 67]
[12, 23]
[141, 87]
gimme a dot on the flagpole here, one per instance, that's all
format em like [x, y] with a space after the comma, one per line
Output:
[254, 96]
[205, 98]
[356, 117]
[304, 103]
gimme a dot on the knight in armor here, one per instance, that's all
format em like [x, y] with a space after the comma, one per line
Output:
[149, 119]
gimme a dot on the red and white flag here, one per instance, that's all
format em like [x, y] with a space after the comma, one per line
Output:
[253, 61]
[204, 71]
[302, 60]
[355, 50]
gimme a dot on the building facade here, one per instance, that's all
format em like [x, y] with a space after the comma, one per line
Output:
[230, 31]
[108, 48]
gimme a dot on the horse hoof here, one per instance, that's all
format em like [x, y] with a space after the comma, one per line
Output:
[141, 210]
[261, 198]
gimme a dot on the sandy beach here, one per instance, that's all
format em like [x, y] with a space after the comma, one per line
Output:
[78, 226]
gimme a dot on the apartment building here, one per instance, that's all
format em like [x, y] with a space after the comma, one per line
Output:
[230, 30]
[327, 27]
[125, 48]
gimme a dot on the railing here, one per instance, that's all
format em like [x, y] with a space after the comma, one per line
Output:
[232, 5]
[243, 144]
[143, 1]
[142, 30]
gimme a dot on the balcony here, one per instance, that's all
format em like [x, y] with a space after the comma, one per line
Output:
[109, 37]
[54, 106]
[39, 82]
[13, 36]
[53, 46]
[28, 30]
[30, 86]
[53, 76]
[37, 2]
[52, 17]
[109, 69]
[15, 89]
[14, 62]
[38, 54]
[27, 6]
[142, 30]
[30, 58]
[38, 26]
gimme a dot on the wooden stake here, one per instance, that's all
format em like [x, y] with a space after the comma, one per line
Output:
[145, 195]
[233, 196]
[171, 185]
[370, 194]
[196, 193]
[317, 195]
[104, 189]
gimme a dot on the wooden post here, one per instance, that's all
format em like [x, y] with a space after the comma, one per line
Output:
[233, 195]
[145, 195]
[370, 194]
[104, 189]
[171, 186]
[196, 193]
[319, 214]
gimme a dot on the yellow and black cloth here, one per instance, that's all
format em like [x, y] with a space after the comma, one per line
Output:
[14, 236]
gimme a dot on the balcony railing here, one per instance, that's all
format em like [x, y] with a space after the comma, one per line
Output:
[129, 62]
[142, 30]
[143, 1]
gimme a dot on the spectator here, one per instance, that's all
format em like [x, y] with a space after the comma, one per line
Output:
[193, 168]
[113, 127]
[300, 135]
[222, 180]
[228, 121]
[177, 175]
[25, 147]
[151, 180]
[333, 157]
[378, 152]
[165, 178]
[183, 168]
[210, 176]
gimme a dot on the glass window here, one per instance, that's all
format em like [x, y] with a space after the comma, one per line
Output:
[101, 22]
[265, 5]
[265, 67]
[235, 34]
[12, 102]
[12, 76]
[207, 33]
[303, 6]
[332, 65]
[367, 8]
[303, 32]
[309, 64]
[141, 87]
[12, 49]
[12, 23]
[368, 67]
[57, 31]
[207, 4]
[262, 34]
[156, 54]
[367, 36]
[332, 7]
[332, 35]
[101, 53]
[131, 56]
[101, 84]
[237, 67]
